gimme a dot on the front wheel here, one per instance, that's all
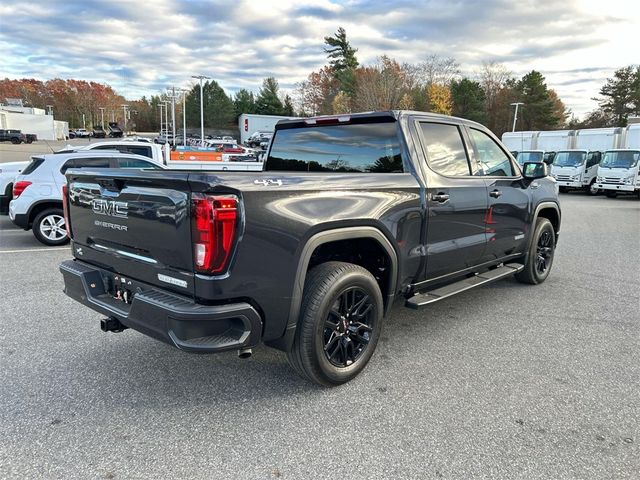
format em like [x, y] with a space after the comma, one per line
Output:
[49, 227]
[592, 189]
[339, 324]
[611, 194]
[541, 252]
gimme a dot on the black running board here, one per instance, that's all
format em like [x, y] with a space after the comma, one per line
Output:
[423, 299]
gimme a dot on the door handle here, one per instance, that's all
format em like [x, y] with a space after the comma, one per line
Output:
[440, 197]
[495, 193]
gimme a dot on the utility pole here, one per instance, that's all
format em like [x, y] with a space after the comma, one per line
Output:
[201, 78]
[160, 105]
[184, 116]
[124, 110]
[166, 117]
[102, 117]
[515, 115]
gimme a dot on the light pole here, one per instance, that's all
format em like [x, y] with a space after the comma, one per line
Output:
[515, 115]
[184, 117]
[124, 110]
[201, 77]
[101, 116]
[160, 105]
[173, 114]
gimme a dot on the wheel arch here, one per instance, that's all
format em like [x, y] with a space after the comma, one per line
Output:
[550, 211]
[40, 206]
[326, 238]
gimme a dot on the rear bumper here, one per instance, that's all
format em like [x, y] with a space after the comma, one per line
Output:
[173, 319]
[19, 219]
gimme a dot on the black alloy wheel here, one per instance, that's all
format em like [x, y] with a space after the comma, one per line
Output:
[347, 330]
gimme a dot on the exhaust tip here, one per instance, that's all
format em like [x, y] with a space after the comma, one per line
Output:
[244, 353]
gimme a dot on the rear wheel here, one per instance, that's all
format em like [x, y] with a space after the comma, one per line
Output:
[611, 194]
[541, 252]
[49, 227]
[340, 323]
[15, 140]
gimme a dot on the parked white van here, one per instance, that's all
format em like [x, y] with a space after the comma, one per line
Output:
[576, 169]
[618, 172]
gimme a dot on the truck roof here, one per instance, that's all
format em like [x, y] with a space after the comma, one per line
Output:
[364, 117]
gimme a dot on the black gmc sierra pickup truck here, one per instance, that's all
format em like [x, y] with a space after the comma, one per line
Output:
[350, 213]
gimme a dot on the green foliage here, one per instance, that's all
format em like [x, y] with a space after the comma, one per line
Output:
[468, 100]
[538, 112]
[244, 102]
[342, 60]
[268, 102]
[287, 109]
[621, 96]
[219, 109]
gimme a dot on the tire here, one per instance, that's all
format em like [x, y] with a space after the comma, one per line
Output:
[15, 141]
[541, 252]
[337, 333]
[48, 229]
[564, 189]
[611, 194]
[591, 189]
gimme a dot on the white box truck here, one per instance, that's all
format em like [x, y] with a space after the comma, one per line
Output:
[249, 123]
[618, 171]
[576, 169]
[520, 141]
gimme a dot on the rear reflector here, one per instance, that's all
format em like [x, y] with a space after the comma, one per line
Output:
[214, 220]
[19, 187]
[65, 209]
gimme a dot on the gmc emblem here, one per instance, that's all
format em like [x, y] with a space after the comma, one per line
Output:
[111, 208]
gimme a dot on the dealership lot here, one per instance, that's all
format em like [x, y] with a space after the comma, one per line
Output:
[506, 381]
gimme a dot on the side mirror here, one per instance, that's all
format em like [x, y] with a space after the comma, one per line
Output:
[534, 170]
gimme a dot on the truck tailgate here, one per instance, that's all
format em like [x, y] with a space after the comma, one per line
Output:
[134, 223]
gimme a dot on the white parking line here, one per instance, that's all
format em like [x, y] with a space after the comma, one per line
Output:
[36, 250]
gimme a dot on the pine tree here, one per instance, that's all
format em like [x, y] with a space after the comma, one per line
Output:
[244, 102]
[538, 112]
[468, 100]
[342, 59]
[287, 109]
[268, 102]
[622, 95]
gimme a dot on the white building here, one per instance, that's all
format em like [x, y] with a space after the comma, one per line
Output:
[33, 120]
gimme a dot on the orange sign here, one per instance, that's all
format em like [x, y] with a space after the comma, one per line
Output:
[196, 156]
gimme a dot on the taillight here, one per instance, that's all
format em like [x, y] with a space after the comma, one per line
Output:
[214, 220]
[19, 187]
[65, 209]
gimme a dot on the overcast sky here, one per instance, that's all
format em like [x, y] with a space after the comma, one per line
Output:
[142, 46]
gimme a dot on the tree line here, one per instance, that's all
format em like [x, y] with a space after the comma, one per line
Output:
[343, 85]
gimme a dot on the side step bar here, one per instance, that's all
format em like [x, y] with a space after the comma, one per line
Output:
[422, 299]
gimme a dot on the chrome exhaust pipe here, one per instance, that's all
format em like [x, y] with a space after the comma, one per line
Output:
[244, 353]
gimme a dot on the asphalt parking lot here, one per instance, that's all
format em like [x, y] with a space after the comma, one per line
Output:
[505, 381]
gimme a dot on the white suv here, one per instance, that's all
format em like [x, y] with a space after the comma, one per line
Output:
[37, 191]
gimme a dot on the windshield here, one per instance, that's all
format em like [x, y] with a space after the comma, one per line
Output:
[569, 159]
[627, 159]
[529, 157]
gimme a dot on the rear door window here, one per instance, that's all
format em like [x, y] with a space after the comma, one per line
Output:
[349, 148]
[444, 149]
